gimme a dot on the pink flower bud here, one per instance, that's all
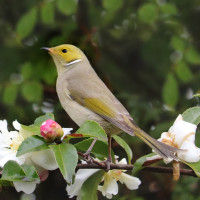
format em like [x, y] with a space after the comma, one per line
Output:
[51, 130]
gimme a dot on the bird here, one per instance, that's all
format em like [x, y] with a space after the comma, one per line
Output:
[84, 96]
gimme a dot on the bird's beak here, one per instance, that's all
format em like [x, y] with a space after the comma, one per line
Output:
[45, 48]
[50, 50]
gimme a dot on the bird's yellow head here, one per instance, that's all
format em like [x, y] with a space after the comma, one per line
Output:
[65, 55]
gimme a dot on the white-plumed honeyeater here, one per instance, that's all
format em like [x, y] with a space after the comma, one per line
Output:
[84, 96]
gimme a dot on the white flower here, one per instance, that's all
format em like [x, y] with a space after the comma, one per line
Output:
[26, 187]
[182, 135]
[42, 160]
[110, 178]
[9, 144]
[81, 176]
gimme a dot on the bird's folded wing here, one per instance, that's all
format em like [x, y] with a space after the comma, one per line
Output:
[108, 108]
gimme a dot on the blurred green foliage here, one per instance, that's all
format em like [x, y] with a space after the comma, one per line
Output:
[147, 52]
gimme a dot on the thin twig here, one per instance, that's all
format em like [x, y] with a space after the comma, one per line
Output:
[155, 169]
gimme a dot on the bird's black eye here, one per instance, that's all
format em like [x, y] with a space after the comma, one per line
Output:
[64, 50]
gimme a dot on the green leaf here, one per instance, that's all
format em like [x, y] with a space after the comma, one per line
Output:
[12, 171]
[148, 13]
[32, 143]
[192, 115]
[195, 166]
[32, 91]
[31, 174]
[10, 94]
[183, 71]
[100, 148]
[125, 146]
[38, 121]
[170, 91]
[178, 43]
[67, 159]
[68, 7]
[112, 5]
[30, 130]
[27, 23]
[89, 187]
[169, 9]
[192, 56]
[26, 70]
[138, 165]
[92, 129]
[48, 13]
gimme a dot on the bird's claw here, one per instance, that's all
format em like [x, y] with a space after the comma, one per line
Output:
[87, 157]
[107, 163]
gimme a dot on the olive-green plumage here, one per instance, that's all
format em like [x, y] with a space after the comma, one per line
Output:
[84, 96]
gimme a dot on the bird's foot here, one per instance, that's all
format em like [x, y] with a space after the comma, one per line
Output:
[107, 163]
[88, 158]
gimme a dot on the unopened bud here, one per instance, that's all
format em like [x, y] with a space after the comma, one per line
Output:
[51, 130]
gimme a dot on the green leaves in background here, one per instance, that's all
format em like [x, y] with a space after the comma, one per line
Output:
[12, 171]
[178, 43]
[112, 5]
[67, 159]
[170, 91]
[92, 129]
[168, 9]
[192, 56]
[68, 7]
[26, 70]
[32, 143]
[183, 72]
[10, 94]
[148, 13]
[48, 12]
[32, 91]
[89, 187]
[27, 23]
[192, 115]
[125, 146]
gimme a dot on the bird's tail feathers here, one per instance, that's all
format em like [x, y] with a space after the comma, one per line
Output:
[164, 150]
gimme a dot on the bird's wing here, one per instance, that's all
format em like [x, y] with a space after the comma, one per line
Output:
[98, 98]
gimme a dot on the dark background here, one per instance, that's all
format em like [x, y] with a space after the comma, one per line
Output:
[147, 52]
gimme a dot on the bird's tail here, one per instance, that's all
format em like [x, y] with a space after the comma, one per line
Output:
[162, 149]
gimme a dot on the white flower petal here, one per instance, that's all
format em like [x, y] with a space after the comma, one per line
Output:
[7, 154]
[131, 182]
[102, 190]
[183, 130]
[110, 185]
[66, 132]
[182, 136]
[26, 187]
[3, 126]
[16, 125]
[122, 161]
[155, 157]
[192, 154]
[81, 176]
[45, 159]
